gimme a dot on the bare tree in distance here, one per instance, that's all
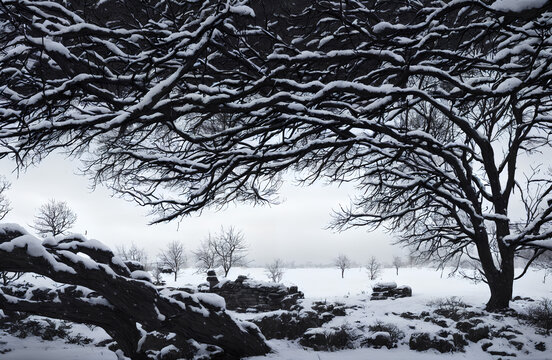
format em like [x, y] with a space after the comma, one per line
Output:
[343, 263]
[397, 263]
[173, 257]
[134, 253]
[275, 270]
[230, 248]
[4, 202]
[205, 256]
[54, 218]
[374, 268]
[431, 143]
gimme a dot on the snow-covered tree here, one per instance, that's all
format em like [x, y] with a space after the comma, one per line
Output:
[275, 270]
[429, 107]
[374, 268]
[173, 257]
[230, 248]
[54, 218]
[343, 263]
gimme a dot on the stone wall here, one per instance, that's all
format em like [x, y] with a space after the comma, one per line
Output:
[249, 295]
[389, 290]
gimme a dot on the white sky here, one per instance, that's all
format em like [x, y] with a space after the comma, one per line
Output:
[294, 230]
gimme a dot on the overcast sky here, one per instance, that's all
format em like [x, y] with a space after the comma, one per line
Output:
[294, 230]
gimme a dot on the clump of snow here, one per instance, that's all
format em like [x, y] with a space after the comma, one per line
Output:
[387, 285]
[12, 228]
[242, 10]
[212, 299]
[141, 275]
[380, 334]
[35, 248]
[257, 284]
[385, 26]
[517, 5]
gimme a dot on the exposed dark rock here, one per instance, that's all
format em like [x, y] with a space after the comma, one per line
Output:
[134, 265]
[409, 315]
[457, 314]
[477, 333]
[464, 326]
[517, 344]
[502, 353]
[518, 298]
[540, 346]
[486, 345]
[326, 339]
[423, 342]
[290, 325]
[379, 340]
[459, 341]
[506, 332]
[439, 322]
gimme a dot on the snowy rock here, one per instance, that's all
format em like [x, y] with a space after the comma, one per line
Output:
[379, 339]
[384, 286]
[389, 290]
[324, 339]
[134, 265]
[478, 333]
[423, 342]
[246, 295]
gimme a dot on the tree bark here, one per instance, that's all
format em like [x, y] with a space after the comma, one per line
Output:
[501, 287]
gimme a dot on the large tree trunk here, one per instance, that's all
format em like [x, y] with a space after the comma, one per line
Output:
[500, 280]
[501, 287]
[501, 283]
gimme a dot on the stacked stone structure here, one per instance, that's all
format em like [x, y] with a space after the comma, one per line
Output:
[390, 290]
[247, 295]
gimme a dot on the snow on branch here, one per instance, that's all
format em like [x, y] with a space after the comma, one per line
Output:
[428, 107]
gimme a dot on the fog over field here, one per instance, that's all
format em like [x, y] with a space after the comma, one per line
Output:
[295, 230]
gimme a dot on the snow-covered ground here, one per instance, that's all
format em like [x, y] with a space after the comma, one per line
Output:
[426, 283]
[327, 284]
